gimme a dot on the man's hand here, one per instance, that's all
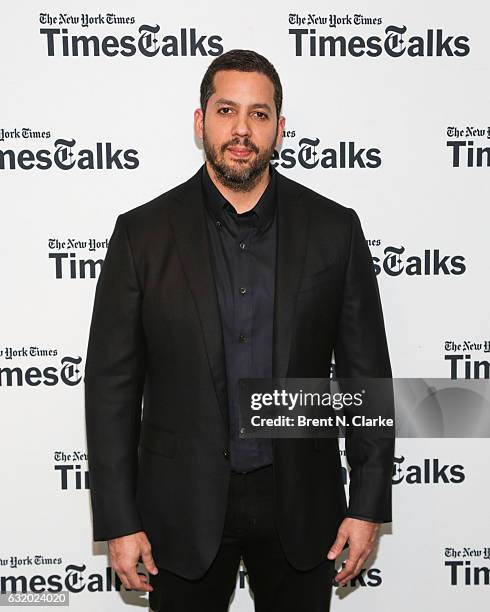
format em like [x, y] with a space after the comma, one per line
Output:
[362, 537]
[124, 555]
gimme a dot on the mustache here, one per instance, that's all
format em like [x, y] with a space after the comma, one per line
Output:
[234, 143]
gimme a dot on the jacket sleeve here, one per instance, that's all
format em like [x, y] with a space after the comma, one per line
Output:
[361, 351]
[114, 380]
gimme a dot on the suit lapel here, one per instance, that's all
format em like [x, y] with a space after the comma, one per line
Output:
[292, 238]
[189, 225]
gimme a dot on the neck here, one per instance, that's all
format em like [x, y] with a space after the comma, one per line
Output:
[242, 201]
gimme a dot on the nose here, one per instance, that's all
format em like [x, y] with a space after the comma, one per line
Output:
[241, 126]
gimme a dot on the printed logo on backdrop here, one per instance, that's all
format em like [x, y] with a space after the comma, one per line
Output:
[358, 35]
[71, 258]
[311, 153]
[71, 470]
[53, 575]
[111, 35]
[469, 146]
[468, 566]
[399, 260]
[367, 577]
[60, 153]
[468, 358]
[425, 471]
[50, 369]
[69, 261]
[79, 578]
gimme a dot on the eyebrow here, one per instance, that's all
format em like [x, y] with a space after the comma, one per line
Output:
[256, 105]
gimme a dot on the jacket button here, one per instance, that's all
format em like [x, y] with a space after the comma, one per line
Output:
[226, 453]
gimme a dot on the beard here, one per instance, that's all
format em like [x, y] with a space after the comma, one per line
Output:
[243, 174]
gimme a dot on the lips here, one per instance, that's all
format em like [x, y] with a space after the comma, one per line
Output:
[239, 151]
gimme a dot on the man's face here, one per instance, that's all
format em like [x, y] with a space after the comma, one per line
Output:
[240, 129]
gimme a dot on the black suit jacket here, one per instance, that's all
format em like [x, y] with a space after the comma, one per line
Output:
[156, 334]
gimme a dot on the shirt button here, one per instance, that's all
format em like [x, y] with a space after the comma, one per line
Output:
[242, 338]
[243, 430]
[243, 290]
[226, 453]
[243, 246]
[218, 224]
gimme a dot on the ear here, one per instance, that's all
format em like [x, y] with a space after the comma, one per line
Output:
[198, 123]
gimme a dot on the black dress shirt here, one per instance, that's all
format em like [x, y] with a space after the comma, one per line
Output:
[243, 253]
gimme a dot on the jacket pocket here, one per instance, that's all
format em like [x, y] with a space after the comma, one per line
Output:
[157, 440]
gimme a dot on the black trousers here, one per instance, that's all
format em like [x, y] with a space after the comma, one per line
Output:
[249, 533]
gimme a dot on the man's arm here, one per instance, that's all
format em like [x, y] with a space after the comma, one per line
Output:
[361, 351]
[114, 380]
[115, 372]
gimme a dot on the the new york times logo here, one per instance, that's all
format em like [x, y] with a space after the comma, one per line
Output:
[468, 566]
[76, 579]
[13, 561]
[67, 373]
[25, 133]
[149, 43]
[66, 262]
[394, 42]
[72, 474]
[342, 155]
[65, 157]
[395, 262]
[464, 150]
[462, 361]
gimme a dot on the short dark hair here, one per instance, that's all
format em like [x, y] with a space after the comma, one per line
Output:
[242, 60]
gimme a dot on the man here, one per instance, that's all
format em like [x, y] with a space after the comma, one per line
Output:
[237, 273]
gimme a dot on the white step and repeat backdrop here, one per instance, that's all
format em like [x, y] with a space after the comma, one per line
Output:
[387, 107]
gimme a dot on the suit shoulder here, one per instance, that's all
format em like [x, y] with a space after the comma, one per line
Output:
[320, 205]
[146, 214]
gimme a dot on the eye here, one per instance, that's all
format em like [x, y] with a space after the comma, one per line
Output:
[261, 115]
[224, 108]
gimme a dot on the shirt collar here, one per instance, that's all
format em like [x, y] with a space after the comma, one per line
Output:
[261, 214]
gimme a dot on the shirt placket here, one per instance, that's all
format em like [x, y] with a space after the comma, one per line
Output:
[244, 297]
